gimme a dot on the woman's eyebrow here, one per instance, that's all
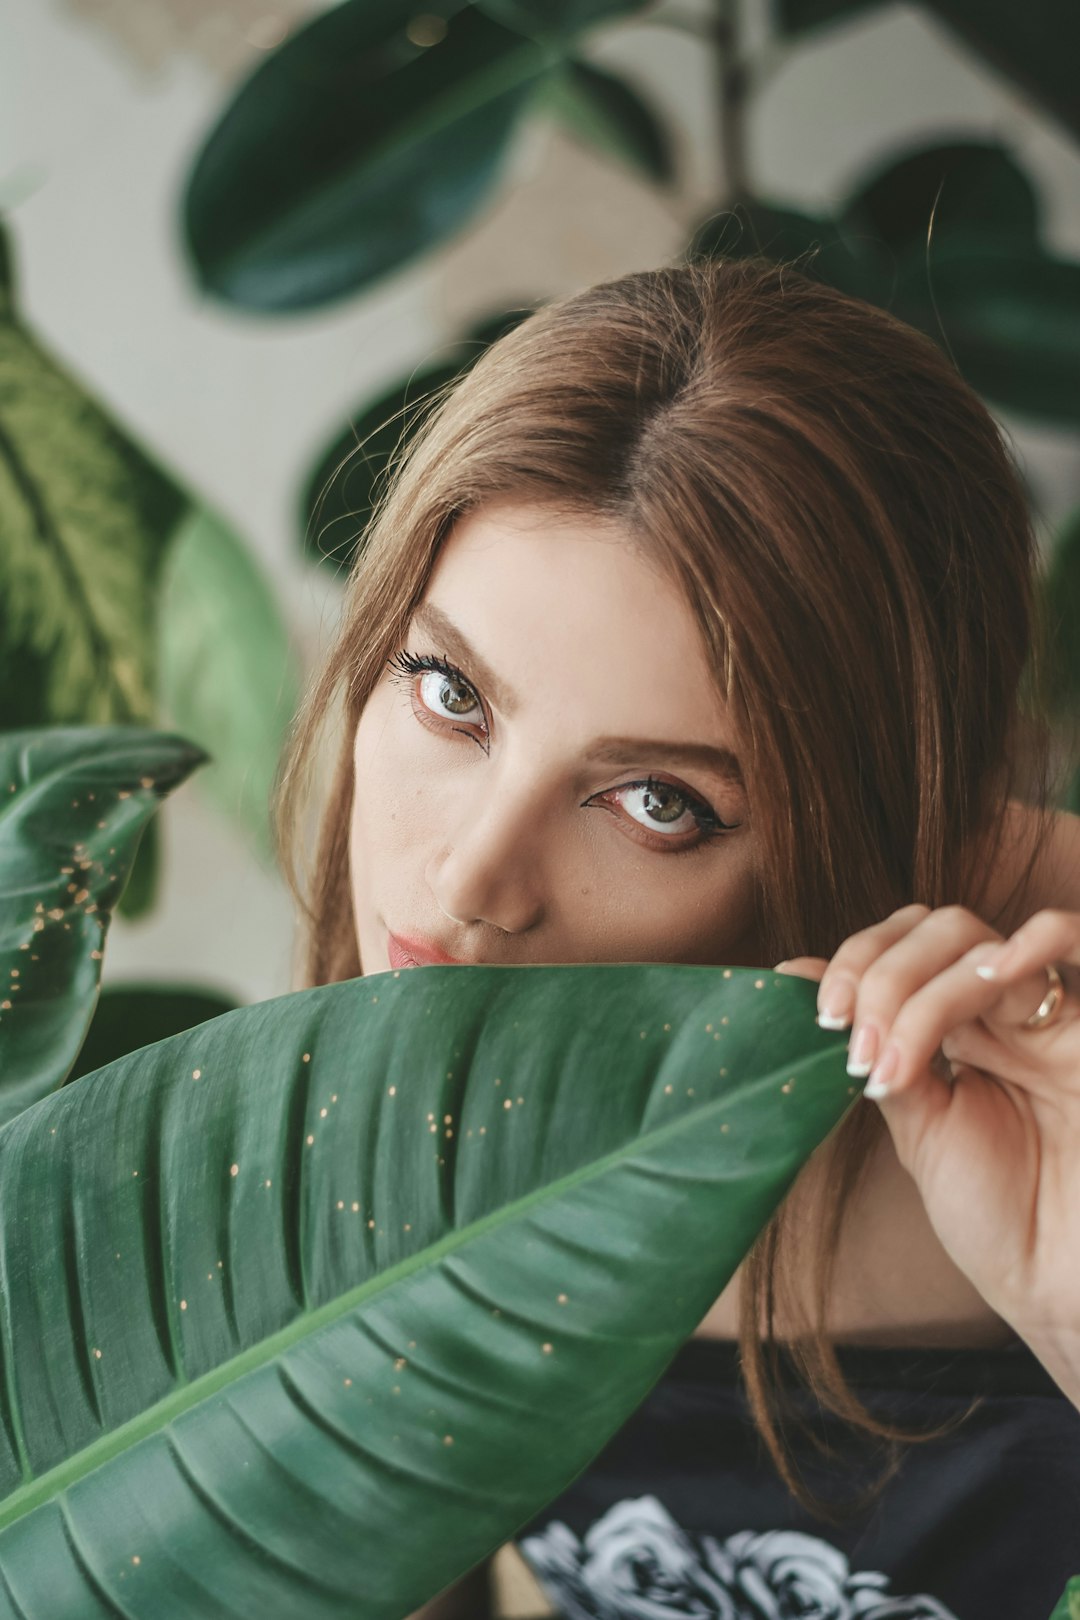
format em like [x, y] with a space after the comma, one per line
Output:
[722, 762]
[434, 621]
[704, 756]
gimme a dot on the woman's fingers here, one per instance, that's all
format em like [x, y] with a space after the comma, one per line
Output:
[842, 978]
[896, 959]
[953, 998]
[1048, 936]
[803, 967]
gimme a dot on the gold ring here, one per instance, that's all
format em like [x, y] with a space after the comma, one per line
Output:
[1050, 1006]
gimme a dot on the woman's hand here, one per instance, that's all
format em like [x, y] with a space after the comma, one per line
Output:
[994, 1148]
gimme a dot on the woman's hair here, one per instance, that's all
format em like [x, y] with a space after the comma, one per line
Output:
[851, 535]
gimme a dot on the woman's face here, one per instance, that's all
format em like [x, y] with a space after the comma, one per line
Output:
[502, 809]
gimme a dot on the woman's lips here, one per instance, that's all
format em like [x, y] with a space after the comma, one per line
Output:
[408, 953]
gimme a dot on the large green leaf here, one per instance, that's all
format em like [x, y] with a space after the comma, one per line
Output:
[339, 495]
[1010, 317]
[787, 234]
[352, 149]
[966, 187]
[1060, 587]
[605, 112]
[945, 237]
[229, 675]
[559, 17]
[307, 1310]
[129, 1016]
[73, 803]
[1037, 44]
[1068, 1605]
[84, 521]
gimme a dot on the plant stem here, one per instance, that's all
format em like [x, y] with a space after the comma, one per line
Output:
[732, 84]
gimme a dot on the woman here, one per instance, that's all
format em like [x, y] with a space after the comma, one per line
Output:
[740, 563]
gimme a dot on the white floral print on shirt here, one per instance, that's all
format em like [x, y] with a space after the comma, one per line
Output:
[636, 1563]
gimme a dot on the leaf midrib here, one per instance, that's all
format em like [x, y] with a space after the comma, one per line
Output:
[35, 1493]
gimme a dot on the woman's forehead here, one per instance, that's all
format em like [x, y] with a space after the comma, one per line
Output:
[539, 607]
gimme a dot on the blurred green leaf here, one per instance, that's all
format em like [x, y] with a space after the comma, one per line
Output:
[1036, 44]
[229, 677]
[984, 288]
[84, 520]
[1060, 587]
[73, 804]
[351, 150]
[339, 494]
[1068, 1605]
[1010, 318]
[966, 187]
[557, 17]
[799, 16]
[131, 1016]
[781, 233]
[606, 113]
[139, 894]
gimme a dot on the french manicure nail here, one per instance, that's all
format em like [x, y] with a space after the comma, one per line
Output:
[882, 1073]
[838, 1007]
[862, 1052]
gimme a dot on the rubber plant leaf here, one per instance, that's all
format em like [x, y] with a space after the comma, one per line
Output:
[340, 493]
[565, 18]
[606, 113]
[129, 1016]
[1035, 45]
[307, 1310]
[940, 189]
[1008, 314]
[369, 137]
[1060, 594]
[74, 801]
[814, 243]
[230, 677]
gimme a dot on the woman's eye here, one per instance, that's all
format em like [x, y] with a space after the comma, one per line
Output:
[660, 807]
[454, 698]
[443, 690]
[667, 811]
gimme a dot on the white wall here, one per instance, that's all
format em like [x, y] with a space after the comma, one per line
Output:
[93, 153]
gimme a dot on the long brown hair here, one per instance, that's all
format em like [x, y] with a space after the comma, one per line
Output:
[849, 530]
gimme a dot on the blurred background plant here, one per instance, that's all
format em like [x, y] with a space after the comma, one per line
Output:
[218, 322]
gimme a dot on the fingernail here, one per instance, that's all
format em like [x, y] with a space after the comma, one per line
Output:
[837, 1007]
[862, 1051]
[882, 1073]
[997, 964]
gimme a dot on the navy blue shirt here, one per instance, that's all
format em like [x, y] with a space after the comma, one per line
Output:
[684, 1517]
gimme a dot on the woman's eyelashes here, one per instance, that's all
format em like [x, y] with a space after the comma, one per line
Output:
[672, 817]
[444, 693]
[670, 813]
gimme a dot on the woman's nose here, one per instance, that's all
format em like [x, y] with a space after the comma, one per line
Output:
[490, 868]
